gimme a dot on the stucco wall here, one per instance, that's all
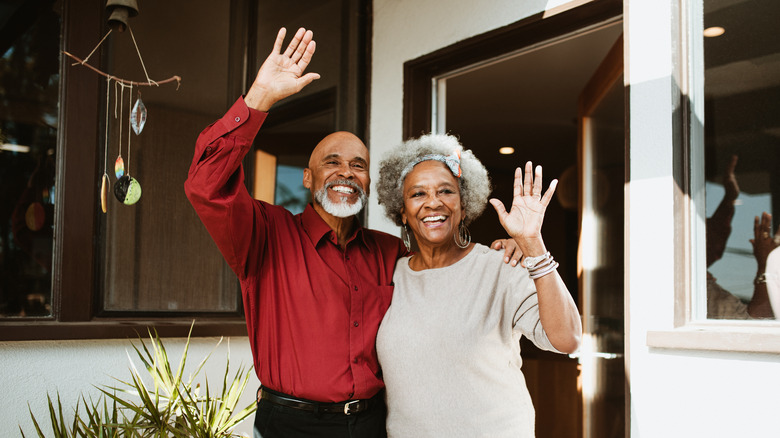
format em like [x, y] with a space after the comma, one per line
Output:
[30, 370]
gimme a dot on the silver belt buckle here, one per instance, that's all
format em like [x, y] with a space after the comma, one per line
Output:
[348, 406]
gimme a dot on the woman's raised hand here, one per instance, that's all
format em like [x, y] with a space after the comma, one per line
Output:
[524, 219]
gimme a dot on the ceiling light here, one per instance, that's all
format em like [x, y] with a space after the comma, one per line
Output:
[713, 31]
[506, 150]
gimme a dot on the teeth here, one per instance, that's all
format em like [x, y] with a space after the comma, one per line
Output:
[434, 218]
[343, 189]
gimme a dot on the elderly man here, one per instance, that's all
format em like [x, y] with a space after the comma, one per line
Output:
[315, 285]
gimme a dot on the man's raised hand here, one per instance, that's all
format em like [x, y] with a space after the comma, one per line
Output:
[282, 74]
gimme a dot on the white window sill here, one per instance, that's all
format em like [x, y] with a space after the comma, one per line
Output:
[718, 335]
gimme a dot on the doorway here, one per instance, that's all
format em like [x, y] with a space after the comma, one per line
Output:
[527, 99]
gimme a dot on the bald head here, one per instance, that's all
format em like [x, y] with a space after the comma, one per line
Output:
[341, 143]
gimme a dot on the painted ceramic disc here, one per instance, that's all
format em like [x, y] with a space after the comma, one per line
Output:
[104, 193]
[127, 190]
[119, 167]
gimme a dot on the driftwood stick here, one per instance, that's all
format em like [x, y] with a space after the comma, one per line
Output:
[124, 81]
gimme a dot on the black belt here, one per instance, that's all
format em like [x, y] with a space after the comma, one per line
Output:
[346, 408]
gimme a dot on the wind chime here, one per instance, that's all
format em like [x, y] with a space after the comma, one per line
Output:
[126, 188]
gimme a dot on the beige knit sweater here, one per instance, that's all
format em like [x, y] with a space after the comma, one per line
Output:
[449, 348]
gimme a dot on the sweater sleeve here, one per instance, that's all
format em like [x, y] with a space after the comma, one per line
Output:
[215, 185]
[525, 308]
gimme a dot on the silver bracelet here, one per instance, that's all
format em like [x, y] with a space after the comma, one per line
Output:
[542, 272]
[541, 265]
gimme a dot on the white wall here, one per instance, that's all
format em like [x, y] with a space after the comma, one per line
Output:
[30, 370]
[674, 393]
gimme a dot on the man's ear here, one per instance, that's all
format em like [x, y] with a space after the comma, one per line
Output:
[307, 178]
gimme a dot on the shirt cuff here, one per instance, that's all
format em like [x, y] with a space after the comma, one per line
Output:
[241, 121]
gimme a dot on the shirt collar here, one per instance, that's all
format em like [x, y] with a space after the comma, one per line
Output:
[317, 228]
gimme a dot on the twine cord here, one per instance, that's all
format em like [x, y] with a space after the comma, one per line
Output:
[105, 147]
[129, 122]
[93, 50]
[137, 50]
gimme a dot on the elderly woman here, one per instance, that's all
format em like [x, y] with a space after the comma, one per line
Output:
[449, 345]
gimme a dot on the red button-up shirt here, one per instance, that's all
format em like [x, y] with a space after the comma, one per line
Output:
[312, 308]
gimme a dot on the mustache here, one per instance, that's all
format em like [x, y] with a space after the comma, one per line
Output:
[345, 182]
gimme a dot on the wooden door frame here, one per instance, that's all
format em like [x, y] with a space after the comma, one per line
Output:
[604, 78]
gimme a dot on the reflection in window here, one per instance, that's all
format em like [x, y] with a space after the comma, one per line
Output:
[156, 255]
[742, 149]
[29, 87]
[290, 192]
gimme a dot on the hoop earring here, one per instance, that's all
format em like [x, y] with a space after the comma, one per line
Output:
[463, 238]
[405, 237]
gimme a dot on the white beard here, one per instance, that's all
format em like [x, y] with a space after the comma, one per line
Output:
[344, 208]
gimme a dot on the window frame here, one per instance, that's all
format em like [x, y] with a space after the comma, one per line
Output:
[75, 286]
[692, 330]
[76, 290]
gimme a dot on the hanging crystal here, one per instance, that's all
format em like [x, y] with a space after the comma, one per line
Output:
[138, 116]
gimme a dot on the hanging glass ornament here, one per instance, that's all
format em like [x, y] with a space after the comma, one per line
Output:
[138, 116]
[127, 190]
[119, 167]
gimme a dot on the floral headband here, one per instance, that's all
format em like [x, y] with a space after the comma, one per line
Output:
[452, 161]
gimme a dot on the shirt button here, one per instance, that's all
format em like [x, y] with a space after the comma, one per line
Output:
[209, 149]
[355, 287]
[356, 323]
[238, 119]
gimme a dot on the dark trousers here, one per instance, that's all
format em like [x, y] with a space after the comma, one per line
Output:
[275, 421]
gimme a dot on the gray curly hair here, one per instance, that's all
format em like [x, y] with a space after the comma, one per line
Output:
[474, 182]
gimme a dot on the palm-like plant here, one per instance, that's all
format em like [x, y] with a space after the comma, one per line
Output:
[171, 406]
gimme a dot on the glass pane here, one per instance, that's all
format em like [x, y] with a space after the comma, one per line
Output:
[603, 365]
[29, 86]
[157, 256]
[290, 192]
[742, 149]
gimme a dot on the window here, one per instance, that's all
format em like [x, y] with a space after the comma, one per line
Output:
[741, 143]
[151, 263]
[69, 270]
[28, 141]
[155, 255]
